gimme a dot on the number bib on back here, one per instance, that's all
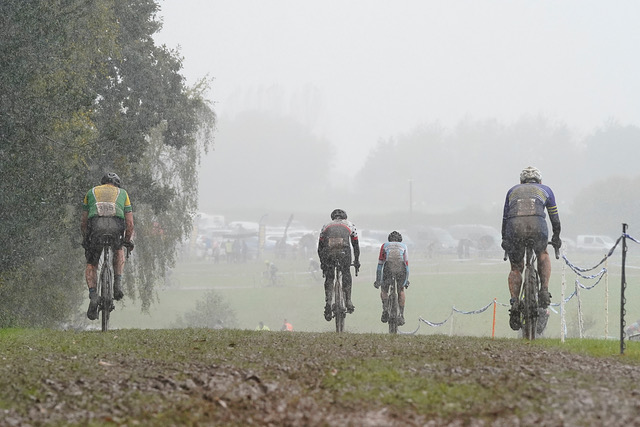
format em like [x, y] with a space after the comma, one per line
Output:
[525, 207]
[106, 208]
[336, 243]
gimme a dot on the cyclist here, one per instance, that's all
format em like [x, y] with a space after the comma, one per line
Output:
[523, 219]
[106, 210]
[393, 264]
[333, 245]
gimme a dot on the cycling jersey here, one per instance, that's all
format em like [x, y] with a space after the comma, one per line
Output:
[530, 199]
[394, 256]
[107, 201]
[523, 218]
[336, 237]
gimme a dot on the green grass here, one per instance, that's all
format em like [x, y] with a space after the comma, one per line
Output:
[437, 285]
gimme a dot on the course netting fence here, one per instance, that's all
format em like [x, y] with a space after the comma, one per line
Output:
[581, 275]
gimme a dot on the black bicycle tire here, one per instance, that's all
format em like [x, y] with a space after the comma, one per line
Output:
[393, 310]
[106, 286]
[339, 306]
[530, 306]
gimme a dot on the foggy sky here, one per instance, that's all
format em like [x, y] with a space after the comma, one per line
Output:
[359, 71]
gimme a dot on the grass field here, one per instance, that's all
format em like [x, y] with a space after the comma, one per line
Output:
[437, 285]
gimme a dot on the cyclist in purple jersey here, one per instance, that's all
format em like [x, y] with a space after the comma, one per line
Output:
[334, 243]
[523, 219]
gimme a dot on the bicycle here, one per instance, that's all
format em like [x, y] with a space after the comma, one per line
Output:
[393, 308]
[530, 311]
[339, 307]
[105, 275]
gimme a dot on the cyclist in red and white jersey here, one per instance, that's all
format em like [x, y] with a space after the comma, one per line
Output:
[334, 243]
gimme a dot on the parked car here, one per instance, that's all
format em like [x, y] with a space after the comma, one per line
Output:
[594, 242]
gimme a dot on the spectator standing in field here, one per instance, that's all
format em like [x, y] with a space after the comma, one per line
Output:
[262, 327]
[286, 326]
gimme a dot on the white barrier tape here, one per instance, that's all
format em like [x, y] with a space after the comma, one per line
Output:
[577, 270]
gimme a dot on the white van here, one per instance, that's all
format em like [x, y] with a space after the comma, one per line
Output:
[595, 242]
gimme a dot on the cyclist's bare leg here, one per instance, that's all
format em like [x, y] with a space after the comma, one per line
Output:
[515, 279]
[346, 286]
[544, 270]
[91, 276]
[118, 262]
[328, 294]
[401, 304]
[384, 296]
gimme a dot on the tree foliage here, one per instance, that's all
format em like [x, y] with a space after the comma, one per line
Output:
[211, 312]
[85, 90]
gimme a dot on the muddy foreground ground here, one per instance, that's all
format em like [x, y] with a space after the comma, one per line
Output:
[203, 377]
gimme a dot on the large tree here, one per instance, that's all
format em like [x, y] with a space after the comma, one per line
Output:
[85, 90]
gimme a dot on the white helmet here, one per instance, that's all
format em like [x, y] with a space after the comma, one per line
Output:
[530, 174]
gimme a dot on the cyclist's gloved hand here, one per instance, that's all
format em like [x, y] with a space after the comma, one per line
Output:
[376, 285]
[505, 245]
[556, 242]
[356, 264]
[406, 285]
[129, 245]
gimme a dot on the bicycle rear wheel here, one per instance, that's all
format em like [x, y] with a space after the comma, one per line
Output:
[105, 284]
[393, 311]
[339, 307]
[530, 300]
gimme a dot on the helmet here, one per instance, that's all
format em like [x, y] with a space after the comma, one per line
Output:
[338, 214]
[395, 237]
[112, 178]
[530, 174]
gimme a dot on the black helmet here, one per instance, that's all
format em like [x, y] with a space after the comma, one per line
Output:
[394, 236]
[338, 214]
[112, 178]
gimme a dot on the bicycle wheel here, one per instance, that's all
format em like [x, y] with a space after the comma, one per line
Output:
[105, 285]
[530, 300]
[339, 308]
[393, 311]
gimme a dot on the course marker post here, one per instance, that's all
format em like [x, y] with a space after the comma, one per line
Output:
[493, 327]
[623, 285]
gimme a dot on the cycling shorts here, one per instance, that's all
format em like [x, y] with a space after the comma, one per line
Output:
[98, 227]
[521, 229]
[389, 275]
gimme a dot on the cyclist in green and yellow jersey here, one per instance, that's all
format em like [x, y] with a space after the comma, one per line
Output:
[106, 210]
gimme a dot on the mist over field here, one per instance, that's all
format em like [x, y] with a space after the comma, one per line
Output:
[246, 123]
[420, 109]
